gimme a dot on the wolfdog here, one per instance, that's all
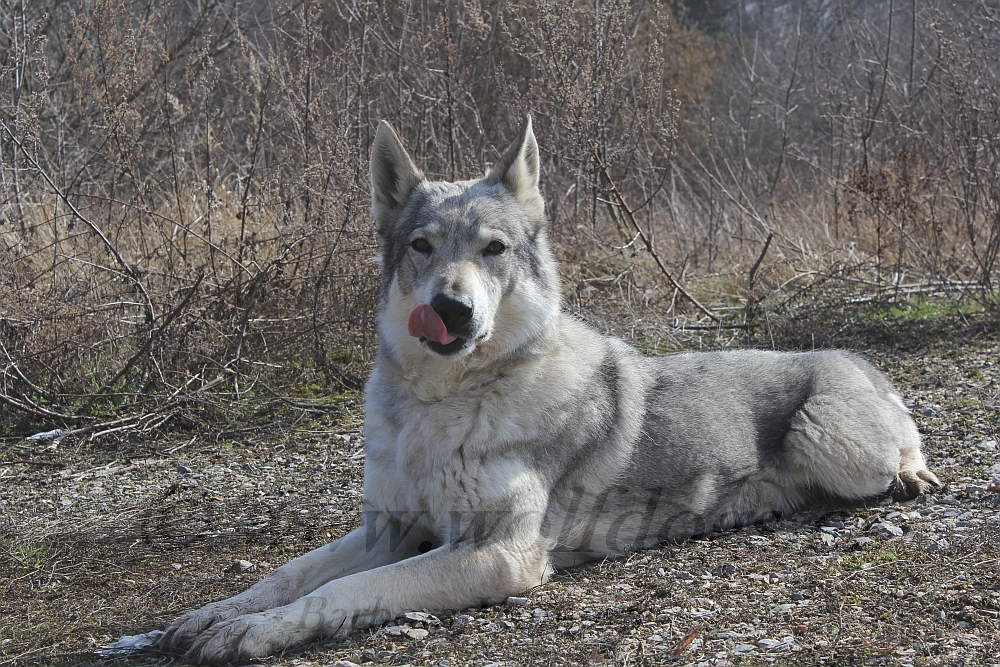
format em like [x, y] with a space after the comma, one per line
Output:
[505, 438]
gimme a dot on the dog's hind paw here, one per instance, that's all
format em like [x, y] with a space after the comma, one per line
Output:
[909, 484]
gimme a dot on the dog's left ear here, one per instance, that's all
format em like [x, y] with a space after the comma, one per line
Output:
[518, 170]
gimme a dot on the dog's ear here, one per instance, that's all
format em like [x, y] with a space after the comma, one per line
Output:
[393, 176]
[518, 170]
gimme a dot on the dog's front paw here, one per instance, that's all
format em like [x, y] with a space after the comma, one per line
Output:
[181, 634]
[241, 639]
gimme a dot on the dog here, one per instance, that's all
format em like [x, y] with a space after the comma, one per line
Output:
[505, 438]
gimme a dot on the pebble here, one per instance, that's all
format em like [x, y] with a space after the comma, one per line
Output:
[887, 529]
[462, 621]
[987, 446]
[518, 602]
[183, 470]
[240, 566]
[421, 617]
[345, 663]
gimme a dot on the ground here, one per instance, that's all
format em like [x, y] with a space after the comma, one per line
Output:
[100, 541]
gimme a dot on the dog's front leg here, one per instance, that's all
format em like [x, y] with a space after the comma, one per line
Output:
[383, 539]
[453, 576]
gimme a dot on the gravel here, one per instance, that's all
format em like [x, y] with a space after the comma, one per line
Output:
[120, 541]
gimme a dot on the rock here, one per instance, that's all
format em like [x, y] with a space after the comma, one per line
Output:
[775, 645]
[654, 639]
[462, 621]
[725, 570]
[344, 663]
[860, 543]
[183, 470]
[415, 633]
[827, 539]
[518, 602]
[241, 566]
[743, 648]
[887, 529]
[421, 617]
[176, 566]
[936, 545]
[987, 446]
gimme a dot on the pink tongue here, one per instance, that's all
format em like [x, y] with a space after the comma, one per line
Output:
[424, 321]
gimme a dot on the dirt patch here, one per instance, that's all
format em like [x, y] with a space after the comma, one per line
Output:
[99, 544]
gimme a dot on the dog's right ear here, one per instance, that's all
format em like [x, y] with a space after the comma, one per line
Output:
[394, 175]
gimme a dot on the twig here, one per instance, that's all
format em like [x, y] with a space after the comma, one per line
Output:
[756, 265]
[29, 462]
[647, 243]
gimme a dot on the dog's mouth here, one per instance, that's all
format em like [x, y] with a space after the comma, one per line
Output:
[426, 325]
[444, 349]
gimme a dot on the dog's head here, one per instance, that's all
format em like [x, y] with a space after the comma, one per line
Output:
[466, 266]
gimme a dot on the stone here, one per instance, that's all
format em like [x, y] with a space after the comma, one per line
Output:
[240, 566]
[421, 617]
[416, 633]
[887, 529]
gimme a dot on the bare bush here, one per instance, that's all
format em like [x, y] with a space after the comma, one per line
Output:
[185, 189]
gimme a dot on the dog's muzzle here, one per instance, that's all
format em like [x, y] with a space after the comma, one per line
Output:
[442, 325]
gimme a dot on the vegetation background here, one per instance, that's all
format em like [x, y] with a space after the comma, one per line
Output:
[184, 213]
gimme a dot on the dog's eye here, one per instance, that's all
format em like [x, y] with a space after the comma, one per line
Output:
[421, 246]
[494, 248]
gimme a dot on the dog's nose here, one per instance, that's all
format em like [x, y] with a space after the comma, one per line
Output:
[455, 313]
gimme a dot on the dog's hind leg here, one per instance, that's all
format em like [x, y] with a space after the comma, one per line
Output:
[856, 445]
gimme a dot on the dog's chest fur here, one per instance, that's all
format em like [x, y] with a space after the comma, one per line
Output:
[471, 449]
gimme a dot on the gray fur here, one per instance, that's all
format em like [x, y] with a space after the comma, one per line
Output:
[532, 442]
